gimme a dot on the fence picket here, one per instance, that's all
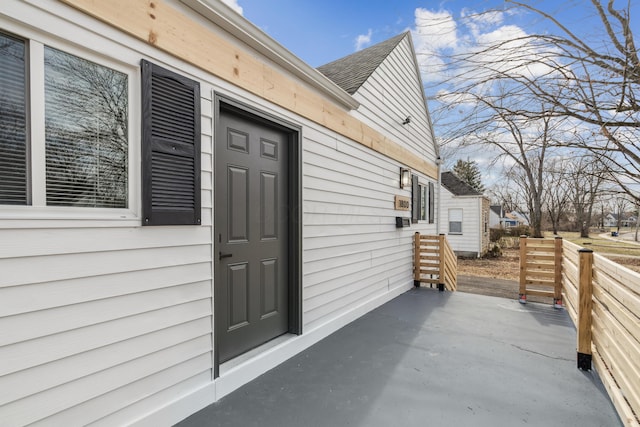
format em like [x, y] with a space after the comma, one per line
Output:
[433, 256]
[603, 300]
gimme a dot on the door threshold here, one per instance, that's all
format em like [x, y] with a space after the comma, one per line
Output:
[232, 364]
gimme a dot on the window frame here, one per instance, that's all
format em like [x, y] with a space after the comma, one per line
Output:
[423, 198]
[37, 207]
[461, 222]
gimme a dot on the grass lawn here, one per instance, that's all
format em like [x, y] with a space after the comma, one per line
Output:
[507, 266]
[602, 245]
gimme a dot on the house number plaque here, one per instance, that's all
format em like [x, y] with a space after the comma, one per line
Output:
[403, 203]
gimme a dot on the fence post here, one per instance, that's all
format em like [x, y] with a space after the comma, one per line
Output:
[585, 302]
[442, 261]
[416, 259]
[557, 286]
[523, 270]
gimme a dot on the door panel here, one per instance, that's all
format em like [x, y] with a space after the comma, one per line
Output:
[238, 203]
[269, 287]
[238, 288]
[251, 205]
[268, 206]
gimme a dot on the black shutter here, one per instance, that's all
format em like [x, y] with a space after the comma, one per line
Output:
[415, 199]
[170, 147]
[431, 204]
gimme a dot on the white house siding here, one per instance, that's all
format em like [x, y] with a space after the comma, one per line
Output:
[386, 100]
[352, 250]
[469, 240]
[104, 321]
[101, 320]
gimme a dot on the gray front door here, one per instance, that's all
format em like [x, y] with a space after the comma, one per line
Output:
[251, 286]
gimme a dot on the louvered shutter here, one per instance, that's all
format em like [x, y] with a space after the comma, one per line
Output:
[170, 147]
[431, 203]
[415, 199]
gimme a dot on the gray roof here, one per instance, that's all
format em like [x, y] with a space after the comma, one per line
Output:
[456, 186]
[497, 209]
[352, 71]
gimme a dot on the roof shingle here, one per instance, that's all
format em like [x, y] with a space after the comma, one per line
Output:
[352, 71]
[458, 187]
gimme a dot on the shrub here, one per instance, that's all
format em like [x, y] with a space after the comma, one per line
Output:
[495, 234]
[520, 230]
[495, 251]
[510, 242]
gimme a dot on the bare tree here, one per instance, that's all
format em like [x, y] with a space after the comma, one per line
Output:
[586, 177]
[557, 197]
[503, 194]
[620, 204]
[524, 143]
[594, 81]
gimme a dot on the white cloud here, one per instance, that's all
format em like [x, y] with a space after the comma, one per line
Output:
[233, 4]
[478, 22]
[435, 30]
[434, 33]
[363, 40]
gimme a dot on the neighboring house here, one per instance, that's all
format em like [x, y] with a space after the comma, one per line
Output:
[520, 217]
[510, 220]
[465, 217]
[203, 207]
[496, 216]
[611, 220]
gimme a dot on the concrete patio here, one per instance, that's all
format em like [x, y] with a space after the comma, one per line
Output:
[429, 359]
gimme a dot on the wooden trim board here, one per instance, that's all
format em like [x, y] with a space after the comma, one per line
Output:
[166, 28]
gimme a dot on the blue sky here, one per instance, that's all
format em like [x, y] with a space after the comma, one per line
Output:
[322, 31]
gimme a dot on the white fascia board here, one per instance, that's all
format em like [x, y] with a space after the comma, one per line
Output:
[241, 28]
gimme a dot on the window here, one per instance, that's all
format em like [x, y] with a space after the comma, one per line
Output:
[455, 221]
[73, 148]
[424, 199]
[13, 122]
[423, 196]
[85, 131]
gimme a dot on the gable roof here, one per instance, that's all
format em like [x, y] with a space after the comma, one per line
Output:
[353, 70]
[458, 187]
[497, 209]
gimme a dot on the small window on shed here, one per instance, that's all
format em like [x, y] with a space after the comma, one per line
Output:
[455, 221]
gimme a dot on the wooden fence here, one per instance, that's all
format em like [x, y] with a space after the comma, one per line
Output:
[434, 262]
[603, 300]
[540, 268]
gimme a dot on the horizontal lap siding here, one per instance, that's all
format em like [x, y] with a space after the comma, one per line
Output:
[105, 324]
[468, 241]
[390, 95]
[352, 250]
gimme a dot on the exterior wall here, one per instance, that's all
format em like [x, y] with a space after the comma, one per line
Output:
[387, 100]
[105, 321]
[495, 221]
[352, 250]
[468, 243]
[102, 319]
[484, 225]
